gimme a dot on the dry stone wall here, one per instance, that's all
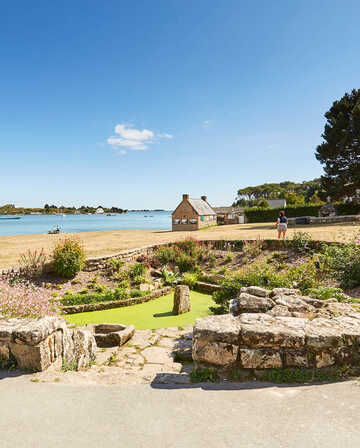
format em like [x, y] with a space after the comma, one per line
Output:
[37, 344]
[280, 329]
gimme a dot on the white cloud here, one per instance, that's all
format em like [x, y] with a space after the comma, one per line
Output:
[206, 123]
[134, 139]
[169, 136]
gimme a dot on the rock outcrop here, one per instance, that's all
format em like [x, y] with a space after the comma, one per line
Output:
[37, 344]
[284, 330]
[181, 300]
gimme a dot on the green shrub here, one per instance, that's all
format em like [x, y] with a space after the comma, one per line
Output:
[137, 269]
[303, 277]
[343, 262]
[68, 257]
[164, 255]
[115, 265]
[100, 288]
[258, 274]
[184, 262]
[122, 276]
[121, 293]
[347, 208]
[327, 292]
[170, 278]
[125, 284]
[301, 242]
[252, 248]
[137, 293]
[203, 374]
[258, 214]
[138, 279]
[190, 279]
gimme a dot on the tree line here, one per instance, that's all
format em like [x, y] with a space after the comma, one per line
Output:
[11, 209]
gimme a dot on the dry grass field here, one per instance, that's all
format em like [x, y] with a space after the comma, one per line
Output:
[108, 242]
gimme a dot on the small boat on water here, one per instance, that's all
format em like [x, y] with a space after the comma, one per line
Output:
[54, 230]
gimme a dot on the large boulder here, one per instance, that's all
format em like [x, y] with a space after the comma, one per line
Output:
[181, 300]
[37, 344]
[248, 303]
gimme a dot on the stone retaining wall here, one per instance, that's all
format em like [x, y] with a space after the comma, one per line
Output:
[282, 331]
[94, 263]
[37, 344]
[325, 219]
[73, 309]
[207, 288]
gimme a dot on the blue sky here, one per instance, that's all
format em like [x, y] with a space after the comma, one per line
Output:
[132, 103]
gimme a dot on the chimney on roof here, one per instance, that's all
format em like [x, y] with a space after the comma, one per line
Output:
[204, 198]
[185, 196]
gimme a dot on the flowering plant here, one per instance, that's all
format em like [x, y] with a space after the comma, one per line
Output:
[26, 301]
[32, 262]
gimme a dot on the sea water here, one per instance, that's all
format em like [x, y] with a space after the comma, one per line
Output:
[29, 224]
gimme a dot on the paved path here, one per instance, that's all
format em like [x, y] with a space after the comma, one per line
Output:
[44, 415]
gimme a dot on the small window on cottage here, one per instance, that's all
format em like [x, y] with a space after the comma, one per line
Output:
[184, 221]
[176, 221]
[193, 221]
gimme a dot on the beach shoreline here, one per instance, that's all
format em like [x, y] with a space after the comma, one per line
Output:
[107, 242]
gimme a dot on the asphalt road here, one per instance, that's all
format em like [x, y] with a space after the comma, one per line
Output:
[43, 415]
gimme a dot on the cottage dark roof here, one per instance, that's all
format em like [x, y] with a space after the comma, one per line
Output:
[227, 210]
[201, 207]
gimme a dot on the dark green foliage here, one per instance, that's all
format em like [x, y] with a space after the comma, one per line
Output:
[257, 214]
[327, 292]
[115, 265]
[348, 208]
[344, 263]
[294, 193]
[340, 151]
[137, 269]
[300, 242]
[137, 293]
[258, 274]
[203, 374]
[300, 375]
[264, 275]
[121, 294]
[95, 297]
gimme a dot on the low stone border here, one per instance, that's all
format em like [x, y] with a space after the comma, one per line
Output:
[74, 309]
[208, 288]
[94, 263]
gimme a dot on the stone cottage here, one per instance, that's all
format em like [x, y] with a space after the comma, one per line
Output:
[193, 214]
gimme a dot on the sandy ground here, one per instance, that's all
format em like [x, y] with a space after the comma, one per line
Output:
[108, 242]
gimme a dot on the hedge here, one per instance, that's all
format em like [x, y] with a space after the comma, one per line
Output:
[349, 208]
[259, 214]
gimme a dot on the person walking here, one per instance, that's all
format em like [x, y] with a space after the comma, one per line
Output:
[282, 224]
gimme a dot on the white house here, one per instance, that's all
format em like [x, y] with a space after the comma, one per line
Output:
[99, 211]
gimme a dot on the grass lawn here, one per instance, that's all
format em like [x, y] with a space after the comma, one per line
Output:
[156, 313]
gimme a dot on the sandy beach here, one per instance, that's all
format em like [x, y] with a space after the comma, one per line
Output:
[108, 242]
